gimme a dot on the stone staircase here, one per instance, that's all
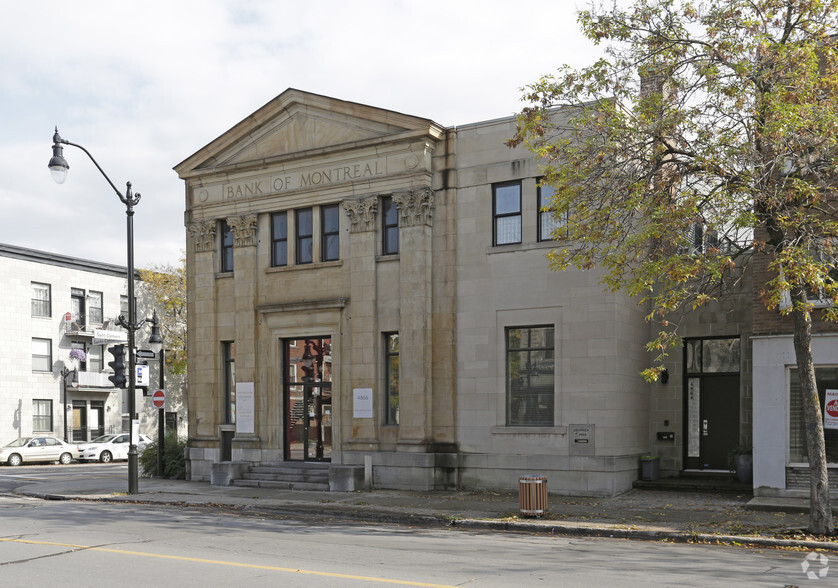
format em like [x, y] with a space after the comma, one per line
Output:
[287, 476]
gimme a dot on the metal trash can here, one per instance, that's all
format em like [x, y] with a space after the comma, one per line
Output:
[532, 495]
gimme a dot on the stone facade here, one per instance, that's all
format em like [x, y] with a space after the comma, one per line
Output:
[265, 193]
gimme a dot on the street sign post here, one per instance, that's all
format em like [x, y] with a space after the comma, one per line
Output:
[158, 399]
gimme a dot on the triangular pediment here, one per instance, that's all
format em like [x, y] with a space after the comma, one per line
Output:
[297, 123]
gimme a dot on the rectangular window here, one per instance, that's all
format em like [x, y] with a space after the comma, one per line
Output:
[389, 226]
[94, 358]
[391, 373]
[330, 232]
[226, 247]
[171, 421]
[305, 235]
[41, 299]
[94, 307]
[279, 239]
[530, 376]
[77, 307]
[41, 416]
[229, 382]
[78, 345]
[506, 211]
[548, 220]
[41, 355]
[826, 379]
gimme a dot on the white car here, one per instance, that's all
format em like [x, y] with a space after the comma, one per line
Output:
[37, 448]
[109, 447]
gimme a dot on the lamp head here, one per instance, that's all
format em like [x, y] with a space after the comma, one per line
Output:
[155, 342]
[58, 166]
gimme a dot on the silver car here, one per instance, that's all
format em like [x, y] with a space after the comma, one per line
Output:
[37, 448]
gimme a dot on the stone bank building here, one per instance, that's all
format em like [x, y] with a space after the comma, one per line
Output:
[368, 291]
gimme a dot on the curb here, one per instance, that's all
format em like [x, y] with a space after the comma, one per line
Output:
[383, 516]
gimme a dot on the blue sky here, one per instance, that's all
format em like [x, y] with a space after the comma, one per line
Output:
[143, 85]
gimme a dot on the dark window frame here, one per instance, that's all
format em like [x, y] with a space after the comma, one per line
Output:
[95, 315]
[518, 413]
[304, 235]
[327, 233]
[279, 242]
[229, 357]
[389, 226]
[227, 261]
[547, 220]
[498, 217]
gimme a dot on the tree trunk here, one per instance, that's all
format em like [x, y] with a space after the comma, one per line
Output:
[820, 508]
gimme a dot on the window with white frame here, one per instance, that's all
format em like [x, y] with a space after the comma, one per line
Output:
[41, 299]
[94, 307]
[530, 376]
[41, 355]
[41, 416]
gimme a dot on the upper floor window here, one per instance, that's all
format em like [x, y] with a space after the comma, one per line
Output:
[80, 345]
[506, 212]
[330, 232]
[229, 350]
[94, 307]
[305, 236]
[94, 358]
[548, 220]
[41, 355]
[279, 239]
[530, 376]
[226, 247]
[41, 299]
[77, 306]
[389, 226]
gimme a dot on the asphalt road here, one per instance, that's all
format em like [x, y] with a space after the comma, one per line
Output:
[71, 543]
[14, 477]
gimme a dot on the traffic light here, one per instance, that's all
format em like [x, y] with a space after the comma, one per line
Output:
[118, 366]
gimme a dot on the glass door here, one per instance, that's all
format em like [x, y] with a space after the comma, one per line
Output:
[308, 399]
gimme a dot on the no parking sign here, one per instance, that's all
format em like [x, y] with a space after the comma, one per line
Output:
[830, 413]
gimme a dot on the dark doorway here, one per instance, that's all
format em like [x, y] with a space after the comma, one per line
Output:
[712, 402]
[308, 399]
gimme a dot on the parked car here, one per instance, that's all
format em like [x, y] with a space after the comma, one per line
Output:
[38, 448]
[109, 447]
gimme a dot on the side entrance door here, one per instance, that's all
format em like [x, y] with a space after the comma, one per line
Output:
[712, 402]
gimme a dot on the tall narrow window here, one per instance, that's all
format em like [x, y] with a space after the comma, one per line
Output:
[279, 239]
[305, 235]
[94, 307]
[229, 348]
[506, 208]
[77, 299]
[94, 358]
[41, 355]
[530, 375]
[41, 416]
[391, 373]
[41, 299]
[548, 220]
[226, 247]
[79, 345]
[389, 227]
[330, 232]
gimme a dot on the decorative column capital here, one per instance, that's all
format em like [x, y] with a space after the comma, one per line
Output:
[244, 230]
[415, 207]
[362, 213]
[203, 235]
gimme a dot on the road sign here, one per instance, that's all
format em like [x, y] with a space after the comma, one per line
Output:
[145, 354]
[830, 413]
[103, 337]
[141, 380]
[158, 399]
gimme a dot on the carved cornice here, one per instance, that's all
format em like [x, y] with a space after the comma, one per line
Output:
[362, 213]
[244, 230]
[203, 235]
[415, 207]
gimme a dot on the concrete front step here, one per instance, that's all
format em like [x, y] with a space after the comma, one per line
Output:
[287, 477]
[282, 485]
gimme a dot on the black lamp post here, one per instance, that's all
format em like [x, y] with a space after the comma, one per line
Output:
[58, 166]
[155, 343]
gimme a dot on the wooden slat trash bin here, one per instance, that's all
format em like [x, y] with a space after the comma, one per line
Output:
[532, 495]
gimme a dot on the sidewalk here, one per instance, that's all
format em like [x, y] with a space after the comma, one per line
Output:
[638, 514]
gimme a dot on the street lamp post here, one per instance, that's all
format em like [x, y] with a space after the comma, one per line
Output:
[155, 343]
[59, 167]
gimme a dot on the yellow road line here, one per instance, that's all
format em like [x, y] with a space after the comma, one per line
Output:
[229, 563]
